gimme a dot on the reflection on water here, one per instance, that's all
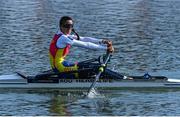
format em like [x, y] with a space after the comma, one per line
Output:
[58, 105]
[145, 34]
[129, 102]
[121, 102]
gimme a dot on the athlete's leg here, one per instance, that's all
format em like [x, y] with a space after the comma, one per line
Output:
[84, 69]
[66, 66]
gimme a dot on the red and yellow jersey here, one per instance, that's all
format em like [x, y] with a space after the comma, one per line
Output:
[60, 46]
[57, 55]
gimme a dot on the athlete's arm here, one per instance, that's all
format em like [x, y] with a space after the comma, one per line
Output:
[88, 39]
[64, 40]
[89, 45]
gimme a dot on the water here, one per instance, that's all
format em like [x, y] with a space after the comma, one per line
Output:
[145, 34]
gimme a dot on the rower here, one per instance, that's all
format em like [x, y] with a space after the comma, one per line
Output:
[62, 42]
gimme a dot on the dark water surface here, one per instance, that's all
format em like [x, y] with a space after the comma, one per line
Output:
[146, 36]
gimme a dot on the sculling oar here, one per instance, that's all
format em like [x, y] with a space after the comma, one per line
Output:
[101, 69]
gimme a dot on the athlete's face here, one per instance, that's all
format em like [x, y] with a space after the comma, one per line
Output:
[67, 27]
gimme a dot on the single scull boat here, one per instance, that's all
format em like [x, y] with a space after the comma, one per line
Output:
[20, 81]
[108, 79]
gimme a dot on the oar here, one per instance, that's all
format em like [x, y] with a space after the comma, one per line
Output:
[101, 69]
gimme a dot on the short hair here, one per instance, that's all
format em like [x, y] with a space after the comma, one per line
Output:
[63, 20]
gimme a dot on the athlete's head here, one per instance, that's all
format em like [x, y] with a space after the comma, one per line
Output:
[66, 25]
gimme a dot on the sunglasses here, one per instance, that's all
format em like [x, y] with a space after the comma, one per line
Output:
[68, 25]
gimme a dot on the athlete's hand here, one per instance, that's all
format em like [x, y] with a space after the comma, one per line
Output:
[106, 41]
[110, 48]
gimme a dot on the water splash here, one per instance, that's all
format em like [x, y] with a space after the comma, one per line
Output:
[94, 93]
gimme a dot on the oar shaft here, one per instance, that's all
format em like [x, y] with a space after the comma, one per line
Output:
[101, 69]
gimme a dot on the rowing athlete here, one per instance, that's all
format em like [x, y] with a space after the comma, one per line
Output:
[63, 40]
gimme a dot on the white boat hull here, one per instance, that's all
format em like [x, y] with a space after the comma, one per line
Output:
[16, 82]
